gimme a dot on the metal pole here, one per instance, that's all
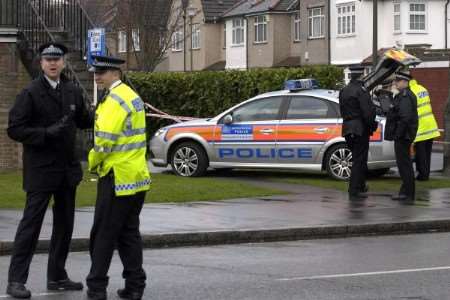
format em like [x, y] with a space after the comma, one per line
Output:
[375, 34]
[184, 40]
[192, 54]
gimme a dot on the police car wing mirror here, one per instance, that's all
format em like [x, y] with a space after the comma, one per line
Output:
[228, 119]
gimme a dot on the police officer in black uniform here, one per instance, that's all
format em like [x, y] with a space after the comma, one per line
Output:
[359, 114]
[401, 127]
[44, 119]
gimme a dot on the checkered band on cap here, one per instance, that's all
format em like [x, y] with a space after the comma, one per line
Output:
[105, 64]
[403, 76]
[52, 51]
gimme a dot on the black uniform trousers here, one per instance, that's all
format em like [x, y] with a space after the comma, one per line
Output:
[29, 228]
[405, 167]
[423, 158]
[116, 225]
[359, 145]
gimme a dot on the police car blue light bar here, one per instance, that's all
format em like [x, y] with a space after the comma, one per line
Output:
[301, 84]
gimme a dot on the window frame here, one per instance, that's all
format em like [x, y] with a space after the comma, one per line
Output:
[177, 40]
[276, 119]
[195, 37]
[135, 34]
[297, 26]
[346, 19]
[331, 112]
[235, 29]
[399, 15]
[122, 41]
[418, 13]
[311, 18]
[260, 21]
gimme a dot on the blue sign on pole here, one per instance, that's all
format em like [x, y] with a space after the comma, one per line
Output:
[96, 43]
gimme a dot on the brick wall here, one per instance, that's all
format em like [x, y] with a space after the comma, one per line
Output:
[436, 80]
[13, 78]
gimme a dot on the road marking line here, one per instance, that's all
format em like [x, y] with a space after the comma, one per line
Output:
[35, 295]
[364, 274]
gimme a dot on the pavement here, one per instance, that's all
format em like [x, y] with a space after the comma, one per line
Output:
[307, 213]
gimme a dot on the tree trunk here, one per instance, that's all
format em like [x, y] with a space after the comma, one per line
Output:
[447, 134]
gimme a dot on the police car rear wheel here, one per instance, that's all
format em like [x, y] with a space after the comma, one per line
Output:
[339, 162]
[189, 160]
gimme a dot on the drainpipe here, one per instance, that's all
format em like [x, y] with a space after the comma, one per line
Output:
[446, 24]
[329, 31]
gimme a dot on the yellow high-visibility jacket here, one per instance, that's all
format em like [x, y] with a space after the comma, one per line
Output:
[120, 141]
[428, 128]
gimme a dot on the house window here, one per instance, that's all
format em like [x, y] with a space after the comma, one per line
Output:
[316, 20]
[136, 39]
[177, 41]
[195, 36]
[225, 35]
[238, 32]
[397, 24]
[260, 29]
[346, 19]
[122, 39]
[297, 26]
[417, 17]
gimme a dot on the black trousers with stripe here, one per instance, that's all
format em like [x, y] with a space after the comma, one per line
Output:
[29, 228]
[359, 145]
[116, 226]
[405, 168]
[423, 158]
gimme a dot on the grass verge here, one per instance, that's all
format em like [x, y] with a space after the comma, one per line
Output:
[165, 188]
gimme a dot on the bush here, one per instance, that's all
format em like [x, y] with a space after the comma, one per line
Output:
[206, 94]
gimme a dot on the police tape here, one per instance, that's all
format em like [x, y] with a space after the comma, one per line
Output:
[156, 113]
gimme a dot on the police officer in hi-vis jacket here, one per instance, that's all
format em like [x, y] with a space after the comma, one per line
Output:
[118, 157]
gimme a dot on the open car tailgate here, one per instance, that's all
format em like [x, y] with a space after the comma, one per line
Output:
[392, 60]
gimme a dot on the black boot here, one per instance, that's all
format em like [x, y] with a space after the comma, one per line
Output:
[127, 294]
[18, 290]
[66, 285]
[96, 295]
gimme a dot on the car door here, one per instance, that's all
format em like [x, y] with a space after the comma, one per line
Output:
[251, 137]
[307, 124]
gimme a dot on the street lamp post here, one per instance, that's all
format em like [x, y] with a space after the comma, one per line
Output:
[375, 34]
[191, 12]
[184, 4]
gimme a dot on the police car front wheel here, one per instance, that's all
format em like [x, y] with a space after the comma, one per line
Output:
[189, 160]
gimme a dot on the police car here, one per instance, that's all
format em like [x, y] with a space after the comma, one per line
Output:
[296, 128]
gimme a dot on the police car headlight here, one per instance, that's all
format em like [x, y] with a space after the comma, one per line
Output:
[160, 131]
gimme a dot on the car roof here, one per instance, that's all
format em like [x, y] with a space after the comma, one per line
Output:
[331, 95]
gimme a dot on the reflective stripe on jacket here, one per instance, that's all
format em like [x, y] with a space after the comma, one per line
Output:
[428, 128]
[120, 141]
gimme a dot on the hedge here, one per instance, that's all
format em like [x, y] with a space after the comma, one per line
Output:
[206, 94]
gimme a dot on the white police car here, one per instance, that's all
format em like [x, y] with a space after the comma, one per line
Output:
[296, 128]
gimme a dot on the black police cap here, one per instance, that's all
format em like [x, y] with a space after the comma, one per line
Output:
[356, 69]
[52, 50]
[403, 76]
[100, 63]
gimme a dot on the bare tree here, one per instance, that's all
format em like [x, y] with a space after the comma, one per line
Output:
[150, 25]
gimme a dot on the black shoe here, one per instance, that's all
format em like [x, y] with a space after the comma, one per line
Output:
[18, 290]
[96, 295]
[127, 294]
[422, 178]
[66, 285]
[357, 196]
[402, 198]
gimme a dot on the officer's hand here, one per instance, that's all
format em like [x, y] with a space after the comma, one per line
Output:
[56, 130]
